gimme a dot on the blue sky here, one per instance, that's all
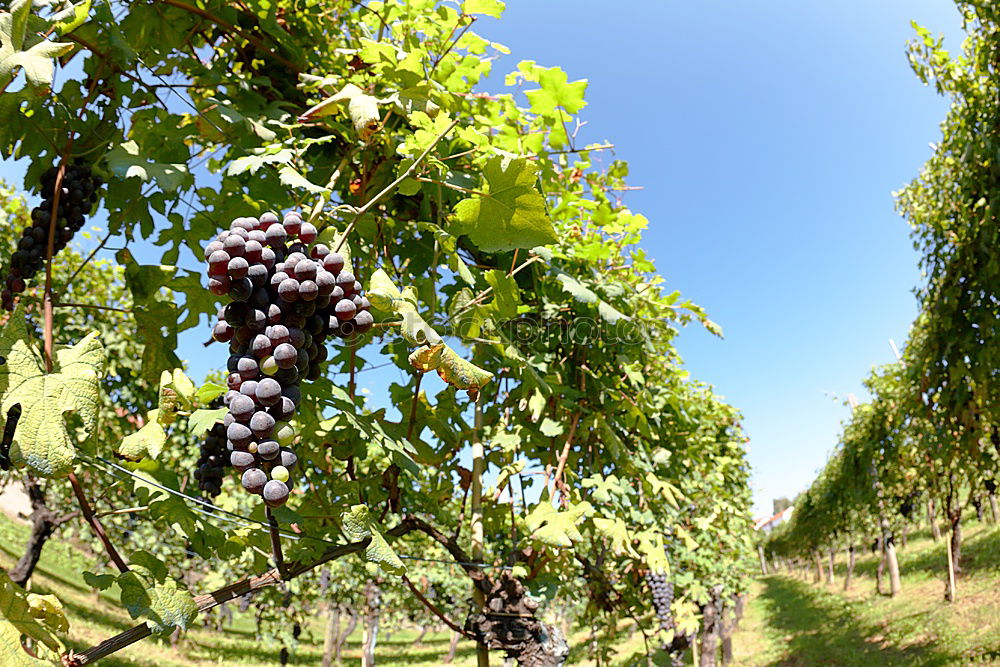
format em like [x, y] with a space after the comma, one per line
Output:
[768, 138]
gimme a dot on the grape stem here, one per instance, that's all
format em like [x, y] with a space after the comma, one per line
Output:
[279, 559]
[435, 610]
[358, 212]
[95, 523]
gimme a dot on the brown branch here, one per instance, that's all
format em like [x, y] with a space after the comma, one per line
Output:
[413, 407]
[412, 523]
[561, 466]
[435, 610]
[95, 524]
[210, 600]
[49, 252]
[279, 559]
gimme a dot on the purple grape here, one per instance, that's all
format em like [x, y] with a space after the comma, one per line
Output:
[240, 434]
[254, 479]
[222, 332]
[345, 309]
[235, 245]
[242, 461]
[238, 267]
[218, 263]
[305, 270]
[363, 322]
[248, 368]
[242, 408]
[285, 355]
[268, 449]
[275, 493]
[308, 290]
[334, 263]
[268, 391]
[261, 424]
[261, 346]
[241, 289]
[289, 290]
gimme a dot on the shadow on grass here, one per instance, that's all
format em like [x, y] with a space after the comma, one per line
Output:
[820, 629]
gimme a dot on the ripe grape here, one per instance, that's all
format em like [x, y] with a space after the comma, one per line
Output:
[275, 493]
[287, 296]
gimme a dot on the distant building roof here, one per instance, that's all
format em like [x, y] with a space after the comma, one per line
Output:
[772, 521]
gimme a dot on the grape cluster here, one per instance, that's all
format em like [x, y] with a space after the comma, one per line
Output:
[213, 459]
[77, 196]
[289, 294]
[663, 597]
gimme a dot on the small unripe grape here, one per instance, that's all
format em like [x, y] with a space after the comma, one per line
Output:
[268, 366]
[285, 434]
[279, 473]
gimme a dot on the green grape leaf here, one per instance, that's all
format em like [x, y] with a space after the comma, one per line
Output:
[385, 296]
[506, 297]
[148, 592]
[293, 179]
[72, 17]
[580, 292]
[363, 110]
[510, 213]
[208, 392]
[36, 616]
[101, 582]
[125, 161]
[36, 60]
[550, 428]
[492, 8]
[652, 550]
[204, 419]
[557, 529]
[42, 441]
[555, 91]
[358, 525]
[617, 533]
[148, 441]
[176, 391]
[452, 368]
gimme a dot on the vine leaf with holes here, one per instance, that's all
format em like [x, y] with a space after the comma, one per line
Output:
[358, 525]
[42, 442]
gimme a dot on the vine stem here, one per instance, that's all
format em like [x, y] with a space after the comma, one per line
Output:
[49, 251]
[279, 559]
[208, 601]
[435, 610]
[561, 465]
[95, 523]
[392, 186]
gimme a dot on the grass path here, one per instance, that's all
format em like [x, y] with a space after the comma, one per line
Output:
[792, 622]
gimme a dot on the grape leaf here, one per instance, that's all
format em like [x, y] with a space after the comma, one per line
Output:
[363, 110]
[511, 212]
[72, 17]
[557, 529]
[555, 91]
[452, 368]
[147, 591]
[126, 162]
[208, 392]
[41, 440]
[492, 8]
[36, 616]
[204, 419]
[148, 441]
[357, 523]
[385, 296]
[36, 60]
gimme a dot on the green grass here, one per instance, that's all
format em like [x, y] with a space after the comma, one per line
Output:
[791, 621]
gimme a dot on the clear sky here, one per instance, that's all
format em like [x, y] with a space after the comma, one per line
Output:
[768, 137]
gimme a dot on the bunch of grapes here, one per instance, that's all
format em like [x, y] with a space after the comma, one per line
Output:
[663, 597]
[213, 459]
[77, 196]
[288, 294]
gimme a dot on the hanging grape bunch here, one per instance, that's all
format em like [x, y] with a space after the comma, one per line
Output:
[289, 295]
[77, 196]
[663, 597]
[213, 458]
